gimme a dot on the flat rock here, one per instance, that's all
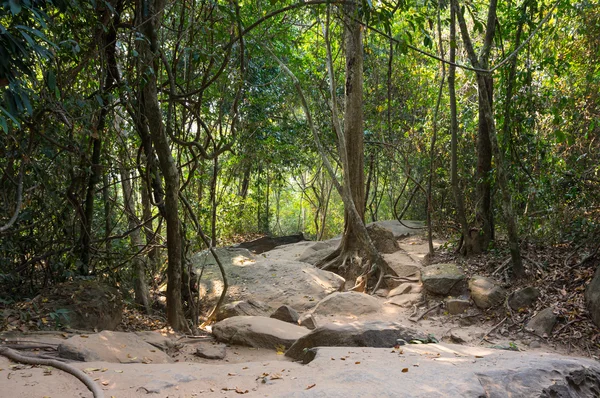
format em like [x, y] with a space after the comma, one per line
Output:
[485, 292]
[404, 265]
[318, 251]
[383, 239]
[523, 298]
[159, 340]
[109, 346]
[308, 321]
[543, 322]
[347, 303]
[242, 308]
[286, 313]
[443, 279]
[257, 331]
[405, 288]
[209, 350]
[356, 334]
[405, 300]
[273, 281]
[456, 306]
[401, 229]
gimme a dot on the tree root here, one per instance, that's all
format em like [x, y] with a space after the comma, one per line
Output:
[84, 378]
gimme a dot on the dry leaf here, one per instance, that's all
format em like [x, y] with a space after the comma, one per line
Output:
[105, 383]
[310, 386]
[240, 391]
[276, 376]
[404, 370]
[357, 363]
[231, 374]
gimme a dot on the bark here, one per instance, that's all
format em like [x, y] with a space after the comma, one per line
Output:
[149, 17]
[140, 287]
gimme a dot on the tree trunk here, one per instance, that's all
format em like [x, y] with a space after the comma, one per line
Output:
[149, 19]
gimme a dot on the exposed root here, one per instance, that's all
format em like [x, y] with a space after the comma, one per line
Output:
[84, 378]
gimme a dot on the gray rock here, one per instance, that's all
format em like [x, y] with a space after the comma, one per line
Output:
[257, 331]
[308, 321]
[163, 343]
[401, 229]
[356, 334]
[405, 300]
[286, 313]
[316, 253]
[347, 303]
[382, 238]
[592, 297]
[485, 292]
[109, 346]
[523, 298]
[543, 322]
[443, 279]
[210, 351]
[405, 288]
[456, 306]
[535, 344]
[242, 308]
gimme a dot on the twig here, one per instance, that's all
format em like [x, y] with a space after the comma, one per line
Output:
[586, 258]
[501, 267]
[84, 378]
[496, 326]
[536, 263]
[566, 325]
[426, 312]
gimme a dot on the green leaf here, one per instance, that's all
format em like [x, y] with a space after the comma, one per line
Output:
[15, 7]
[51, 80]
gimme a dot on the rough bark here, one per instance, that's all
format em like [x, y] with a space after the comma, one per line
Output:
[149, 17]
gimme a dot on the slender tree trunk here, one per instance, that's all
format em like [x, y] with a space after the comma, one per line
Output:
[149, 20]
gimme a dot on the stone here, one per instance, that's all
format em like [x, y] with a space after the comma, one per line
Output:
[405, 300]
[456, 306]
[276, 282]
[109, 346]
[266, 243]
[258, 332]
[286, 313]
[356, 334]
[347, 303]
[405, 288]
[208, 350]
[523, 298]
[535, 344]
[543, 322]
[485, 292]
[315, 253]
[158, 340]
[592, 298]
[82, 304]
[382, 238]
[242, 308]
[308, 321]
[443, 279]
[401, 229]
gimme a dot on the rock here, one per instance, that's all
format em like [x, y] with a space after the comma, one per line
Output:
[405, 300]
[543, 322]
[266, 243]
[315, 253]
[82, 304]
[382, 238]
[400, 229]
[286, 313]
[459, 336]
[163, 343]
[356, 334]
[443, 279]
[276, 282]
[403, 265]
[347, 303]
[485, 292]
[208, 350]
[535, 344]
[456, 306]
[523, 298]
[257, 331]
[405, 288]
[592, 297]
[109, 346]
[308, 321]
[242, 308]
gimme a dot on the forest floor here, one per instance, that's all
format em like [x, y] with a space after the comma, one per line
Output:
[558, 272]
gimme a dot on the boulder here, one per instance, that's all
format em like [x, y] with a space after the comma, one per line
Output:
[286, 313]
[405, 288]
[443, 279]
[276, 282]
[82, 304]
[592, 297]
[543, 322]
[109, 346]
[405, 300]
[382, 238]
[315, 253]
[485, 292]
[257, 331]
[308, 321]
[266, 243]
[401, 229]
[209, 350]
[456, 306]
[242, 308]
[157, 339]
[523, 298]
[356, 334]
[347, 303]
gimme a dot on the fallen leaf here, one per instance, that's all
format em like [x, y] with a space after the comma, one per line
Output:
[231, 374]
[404, 370]
[240, 391]
[310, 386]
[357, 363]
[276, 376]
[105, 383]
